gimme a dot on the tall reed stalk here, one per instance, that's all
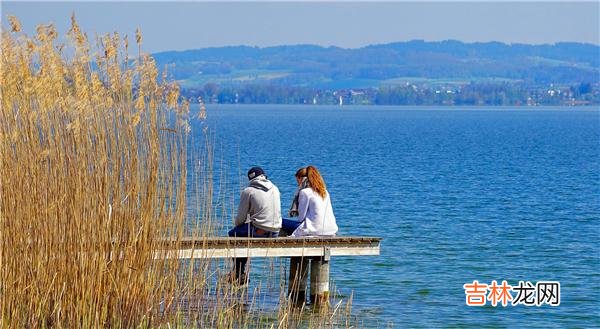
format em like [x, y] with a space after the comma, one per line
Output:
[92, 177]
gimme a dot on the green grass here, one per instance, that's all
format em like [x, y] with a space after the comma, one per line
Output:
[237, 76]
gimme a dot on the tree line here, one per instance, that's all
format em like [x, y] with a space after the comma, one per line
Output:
[474, 93]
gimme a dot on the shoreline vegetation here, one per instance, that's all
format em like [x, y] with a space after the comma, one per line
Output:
[194, 106]
[93, 176]
[467, 94]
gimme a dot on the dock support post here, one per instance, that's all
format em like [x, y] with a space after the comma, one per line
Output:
[319, 280]
[297, 282]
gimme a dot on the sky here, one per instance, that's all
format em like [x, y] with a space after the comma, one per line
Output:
[193, 24]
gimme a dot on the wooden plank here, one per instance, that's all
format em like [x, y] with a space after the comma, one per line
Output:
[277, 247]
[267, 252]
[212, 242]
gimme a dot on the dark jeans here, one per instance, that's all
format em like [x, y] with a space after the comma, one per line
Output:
[247, 230]
[289, 225]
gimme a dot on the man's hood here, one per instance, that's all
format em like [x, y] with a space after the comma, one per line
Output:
[262, 183]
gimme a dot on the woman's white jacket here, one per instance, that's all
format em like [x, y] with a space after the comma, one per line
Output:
[316, 215]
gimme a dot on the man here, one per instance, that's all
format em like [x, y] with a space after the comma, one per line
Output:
[259, 216]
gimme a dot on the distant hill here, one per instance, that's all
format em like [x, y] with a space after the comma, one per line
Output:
[391, 64]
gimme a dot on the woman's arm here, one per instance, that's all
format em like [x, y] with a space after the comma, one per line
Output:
[303, 201]
[302, 205]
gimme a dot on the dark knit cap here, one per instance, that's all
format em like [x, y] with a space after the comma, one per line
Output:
[255, 172]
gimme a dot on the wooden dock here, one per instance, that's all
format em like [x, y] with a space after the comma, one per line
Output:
[312, 253]
[222, 247]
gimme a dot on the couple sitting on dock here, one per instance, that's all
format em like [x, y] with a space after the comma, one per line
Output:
[259, 211]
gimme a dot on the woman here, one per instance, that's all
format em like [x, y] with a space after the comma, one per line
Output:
[315, 213]
[302, 181]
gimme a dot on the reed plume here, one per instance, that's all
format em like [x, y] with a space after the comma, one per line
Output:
[92, 177]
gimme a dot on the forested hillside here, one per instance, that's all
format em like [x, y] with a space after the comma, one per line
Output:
[566, 72]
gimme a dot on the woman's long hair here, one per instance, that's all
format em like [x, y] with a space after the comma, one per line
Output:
[316, 181]
[301, 173]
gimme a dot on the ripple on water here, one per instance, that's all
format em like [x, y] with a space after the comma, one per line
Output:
[456, 195]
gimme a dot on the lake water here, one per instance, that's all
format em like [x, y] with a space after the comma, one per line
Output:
[457, 195]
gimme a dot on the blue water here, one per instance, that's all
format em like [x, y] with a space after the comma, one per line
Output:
[457, 195]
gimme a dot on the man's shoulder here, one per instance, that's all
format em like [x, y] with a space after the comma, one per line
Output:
[275, 187]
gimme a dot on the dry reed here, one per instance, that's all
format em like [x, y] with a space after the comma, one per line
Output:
[93, 175]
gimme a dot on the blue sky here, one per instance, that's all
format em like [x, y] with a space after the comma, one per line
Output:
[190, 25]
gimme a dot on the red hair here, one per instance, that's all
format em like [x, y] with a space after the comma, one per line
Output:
[316, 181]
[301, 173]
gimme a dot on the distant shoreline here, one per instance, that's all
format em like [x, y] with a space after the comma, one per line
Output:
[412, 107]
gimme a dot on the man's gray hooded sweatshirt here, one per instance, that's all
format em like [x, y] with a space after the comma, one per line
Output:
[260, 205]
